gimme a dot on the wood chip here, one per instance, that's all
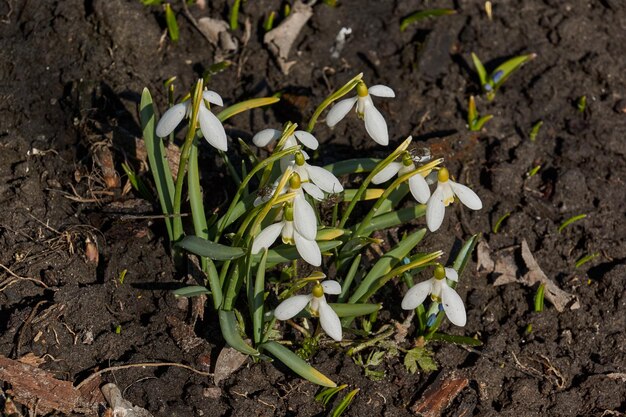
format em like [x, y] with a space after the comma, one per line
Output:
[280, 40]
[439, 395]
[228, 361]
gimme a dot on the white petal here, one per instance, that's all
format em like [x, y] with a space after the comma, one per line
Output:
[375, 124]
[313, 190]
[381, 91]
[339, 111]
[265, 136]
[286, 161]
[468, 197]
[387, 173]
[170, 119]
[435, 210]
[331, 287]
[304, 218]
[212, 129]
[306, 139]
[324, 179]
[213, 97]
[330, 321]
[452, 275]
[416, 295]
[308, 249]
[419, 188]
[267, 237]
[291, 306]
[453, 306]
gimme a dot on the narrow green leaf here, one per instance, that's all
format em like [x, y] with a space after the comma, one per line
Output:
[297, 364]
[472, 114]
[539, 298]
[230, 331]
[504, 71]
[535, 131]
[259, 299]
[352, 166]
[465, 254]
[137, 183]
[586, 259]
[327, 394]
[496, 227]
[386, 264]
[172, 25]
[480, 69]
[242, 106]
[395, 218]
[571, 220]
[480, 123]
[457, 340]
[370, 194]
[423, 15]
[354, 310]
[269, 22]
[347, 282]
[211, 250]
[191, 291]
[330, 233]
[581, 104]
[288, 253]
[163, 180]
[234, 15]
[345, 403]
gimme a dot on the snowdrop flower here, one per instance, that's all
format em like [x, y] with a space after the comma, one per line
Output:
[210, 125]
[417, 183]
[317, 305]
[298, 226]
[315, 179]
[374, 121]
[439, 290]
[265, 136]
[444, 195]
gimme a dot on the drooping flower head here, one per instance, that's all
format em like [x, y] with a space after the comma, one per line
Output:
[317, 306]
[439, 290]
[417, 183]
[210, 125]
[375, 123]
[444, 195]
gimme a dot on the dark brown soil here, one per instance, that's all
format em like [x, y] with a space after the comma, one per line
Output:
[72, 73]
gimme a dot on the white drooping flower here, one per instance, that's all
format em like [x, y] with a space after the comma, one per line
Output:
[315, 179]
[210, 125]
[439, 290]
[417, 184]
[298, 226]
[264, 137]
[374, 121]
[317, 305]
[444, 195]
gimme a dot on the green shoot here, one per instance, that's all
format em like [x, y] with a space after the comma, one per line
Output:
[122, 276]
[269, 22]
[172, 25]
[118, 329]
[423, 15]
[534, 170]
[191, 291]
[474, 122]
[529, 329]
[492, 82]
[136, 182]
[581, 104]
[327, 394]
[215, 69]
[535, 131]
[287, 10]
[586, 259]
[539, 298]
[496, 227]
[571, 220]
[331, 3]
[297, 364]
[345, 403]
[234, 15]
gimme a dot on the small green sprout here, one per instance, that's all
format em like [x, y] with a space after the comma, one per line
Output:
[269, 22]
[345, 403]
[215, 69]
[331, 3]
[492, 82]
[533, 171]
[327, 394]
[234, 15]
[423, 15]
[118, 329]
[535, 130]
[570, 221]
[475, 122]
[287, 10]
[496, 227]
[581, 104]
[172, 25]
[122, 276]
[539, 298]
[529, 329]
[586, 259]
[489, 10]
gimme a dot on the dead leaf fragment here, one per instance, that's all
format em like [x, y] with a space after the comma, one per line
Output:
[484, 260]
[228, 361]
[120, 406]
[280, 40]
[218, 34]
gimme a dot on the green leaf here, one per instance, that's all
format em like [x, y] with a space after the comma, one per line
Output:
[137, 183]
[172, 25]
[481, 122]
[230, 331]
[345, 403]
[242, 106]
[457, 340]
[465, 254]
[352, 166]
[395, 218]
[423, 15]
[386, 264]
[347, 282]
[211, 250]
[297, 364]
[571, 220]
[163, 180]
[508, 68]
[234, 15]
[258, 299]
[191, 291]
[288, 253]
[539, 298]
[354, 310]
[327, 394]
[480, 69]
[586, 259]
[422, 357]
